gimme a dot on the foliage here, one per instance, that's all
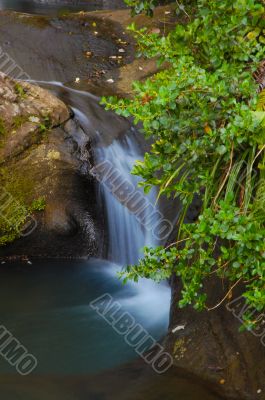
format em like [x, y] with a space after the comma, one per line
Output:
[38, 204]
[45, 125]
[20, 91]
[138, 7]
[14, 215]
[206, 120]
[17, 203]
[12, 219]
[2, 128]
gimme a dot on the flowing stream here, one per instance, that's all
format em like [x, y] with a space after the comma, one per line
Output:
[46, 305]
[79, 339]
[127, 235]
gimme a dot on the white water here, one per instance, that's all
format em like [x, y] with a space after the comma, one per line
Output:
[127, 235]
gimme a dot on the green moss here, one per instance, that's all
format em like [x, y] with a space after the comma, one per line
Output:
[46, 124]
[13, 216]
[2, 127]
[3, 132]
[17, 183]
[17, 203]
[20, 91]
[18, 121]
[179, 348]
[38, 204]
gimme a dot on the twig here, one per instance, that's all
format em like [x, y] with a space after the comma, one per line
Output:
[261, 150]
[219, 268]
[182, 8]
[227, 294]
[179, 241]
[226, 176]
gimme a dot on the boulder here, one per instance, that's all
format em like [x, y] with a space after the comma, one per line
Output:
[45, 154]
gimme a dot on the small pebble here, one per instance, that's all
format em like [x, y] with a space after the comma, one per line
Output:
[89, 53]
[110, 80]
[121, 51]
[259, 391]
[77, 80]
[155, 31]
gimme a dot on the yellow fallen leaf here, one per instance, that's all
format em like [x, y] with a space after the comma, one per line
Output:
[207, 129]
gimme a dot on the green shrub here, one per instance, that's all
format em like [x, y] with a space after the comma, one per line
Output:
[206, 120]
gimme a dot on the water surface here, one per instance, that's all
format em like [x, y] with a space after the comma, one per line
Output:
[46, 306]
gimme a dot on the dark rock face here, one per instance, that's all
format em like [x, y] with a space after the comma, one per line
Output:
[53, 164]
[53, 7]
[63, 49]
[211, 347]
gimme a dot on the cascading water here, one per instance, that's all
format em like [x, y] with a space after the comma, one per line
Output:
[127, 233]
[129, 225]
[117, 146]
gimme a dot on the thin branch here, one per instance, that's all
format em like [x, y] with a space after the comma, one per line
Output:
[219, 268]
[226, 176]
[179, 241]
[182, 8]
[257, 155]
[227, 294]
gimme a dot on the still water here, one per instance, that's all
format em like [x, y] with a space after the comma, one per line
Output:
[46, 306]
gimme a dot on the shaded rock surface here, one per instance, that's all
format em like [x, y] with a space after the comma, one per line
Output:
[50, 161]
[139, 382]
[209, 345]
[53, 7]
[64, 48]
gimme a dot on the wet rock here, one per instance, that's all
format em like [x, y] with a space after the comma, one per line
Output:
[61, 45]
[45, 154]
[212, 348]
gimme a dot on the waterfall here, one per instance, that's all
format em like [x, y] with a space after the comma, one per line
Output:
[131, 224]
[130, 227]
[127, 231]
